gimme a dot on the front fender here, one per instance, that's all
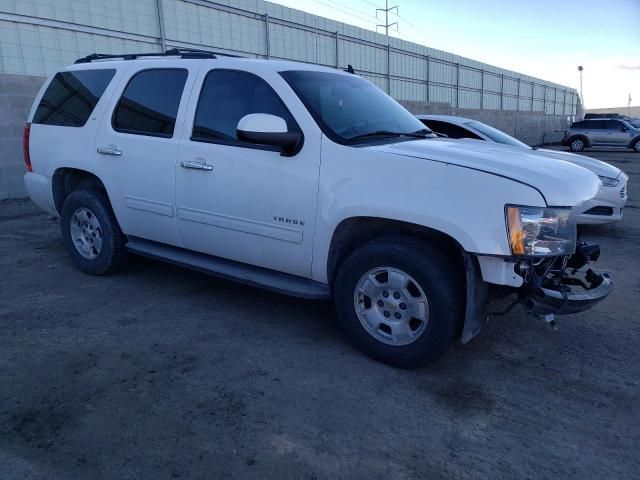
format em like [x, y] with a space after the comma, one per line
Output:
[463, 203]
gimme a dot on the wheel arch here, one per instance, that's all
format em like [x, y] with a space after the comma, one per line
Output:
[352, 232]
[65, 180]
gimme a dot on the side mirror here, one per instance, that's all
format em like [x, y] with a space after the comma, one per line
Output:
[266, 129]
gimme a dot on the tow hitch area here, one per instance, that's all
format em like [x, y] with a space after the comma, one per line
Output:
[555, 286]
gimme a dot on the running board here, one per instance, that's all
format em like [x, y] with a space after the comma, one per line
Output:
[228, 269]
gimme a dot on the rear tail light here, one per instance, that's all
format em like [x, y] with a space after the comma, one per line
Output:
[25, 146]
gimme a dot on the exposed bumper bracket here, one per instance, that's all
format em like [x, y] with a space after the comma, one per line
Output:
[572, 296]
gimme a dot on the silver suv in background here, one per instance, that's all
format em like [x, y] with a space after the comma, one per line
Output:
[606, 132]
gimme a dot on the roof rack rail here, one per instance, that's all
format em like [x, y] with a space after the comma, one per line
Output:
[181, 52]
[197, 53]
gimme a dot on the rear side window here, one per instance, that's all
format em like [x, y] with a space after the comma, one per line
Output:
[149, 103]
[71, 97]
[229, 95]
[594, 124]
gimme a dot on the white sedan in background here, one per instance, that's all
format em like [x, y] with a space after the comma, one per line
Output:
[605, 207]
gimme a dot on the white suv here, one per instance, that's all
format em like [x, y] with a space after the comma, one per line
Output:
[308, 181]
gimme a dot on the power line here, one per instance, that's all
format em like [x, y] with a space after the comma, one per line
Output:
[358, 12]
[360, 16]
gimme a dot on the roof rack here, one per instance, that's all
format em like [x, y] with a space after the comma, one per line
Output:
[172, 52]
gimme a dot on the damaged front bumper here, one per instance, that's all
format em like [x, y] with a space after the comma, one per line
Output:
[570, 295]
[551, 286]
[555, 289]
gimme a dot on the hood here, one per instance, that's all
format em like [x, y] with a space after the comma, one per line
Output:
[547, 175]
[598, 167]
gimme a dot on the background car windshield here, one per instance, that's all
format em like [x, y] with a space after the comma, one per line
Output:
[496, 135]
[346, 106]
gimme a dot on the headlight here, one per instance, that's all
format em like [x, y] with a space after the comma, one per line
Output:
[539, 231]
[608, 181]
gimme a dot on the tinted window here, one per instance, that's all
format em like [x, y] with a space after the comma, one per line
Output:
[149, 104]
[595, 124]
[229, 95]
[71, 97]
[616, 125]
[347, 107]
[449, 129]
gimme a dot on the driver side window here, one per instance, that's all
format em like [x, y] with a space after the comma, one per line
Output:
[226, 97]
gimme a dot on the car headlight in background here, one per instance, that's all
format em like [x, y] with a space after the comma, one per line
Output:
[539, 231]
[608, 181]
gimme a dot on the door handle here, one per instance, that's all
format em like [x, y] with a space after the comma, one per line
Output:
[109, 151]
[195, 165]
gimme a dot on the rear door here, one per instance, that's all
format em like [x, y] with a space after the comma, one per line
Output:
[597, 131]
[136, 146]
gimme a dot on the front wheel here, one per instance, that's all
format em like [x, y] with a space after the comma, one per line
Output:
[577, 145]
[91, 233]
[636, 146]
[400, 301]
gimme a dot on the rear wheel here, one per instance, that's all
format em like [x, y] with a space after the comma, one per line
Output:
[400, 301]
[636, 146]
[577, 145]
[91, 233]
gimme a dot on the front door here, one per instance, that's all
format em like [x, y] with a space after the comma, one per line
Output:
[617, 133]
[243, 201]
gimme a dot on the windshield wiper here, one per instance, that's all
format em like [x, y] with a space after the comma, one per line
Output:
[388, 133]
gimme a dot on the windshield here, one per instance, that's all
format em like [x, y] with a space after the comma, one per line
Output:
[350, 109]
[496, 135]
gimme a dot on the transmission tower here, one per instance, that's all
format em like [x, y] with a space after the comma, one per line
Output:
[386, 11]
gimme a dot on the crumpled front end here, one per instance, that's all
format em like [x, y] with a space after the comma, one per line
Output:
[560, 285]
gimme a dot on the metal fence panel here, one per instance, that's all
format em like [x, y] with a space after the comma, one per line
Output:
[38, 36]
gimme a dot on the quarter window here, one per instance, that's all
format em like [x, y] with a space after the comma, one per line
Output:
[229, 95]
[71, 97]
[149, 104]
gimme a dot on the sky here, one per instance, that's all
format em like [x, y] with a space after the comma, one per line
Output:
[547, 39]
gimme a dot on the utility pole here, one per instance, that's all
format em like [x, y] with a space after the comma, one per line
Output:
[386, 11]
[386, 26]
[580, 69]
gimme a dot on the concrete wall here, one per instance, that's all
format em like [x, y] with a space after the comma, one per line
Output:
[16, 96]
[533, 128]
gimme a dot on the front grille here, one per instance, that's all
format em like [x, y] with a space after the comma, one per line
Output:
[623, 192]
[604, 211]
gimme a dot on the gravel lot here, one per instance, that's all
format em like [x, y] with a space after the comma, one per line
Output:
[159, 372]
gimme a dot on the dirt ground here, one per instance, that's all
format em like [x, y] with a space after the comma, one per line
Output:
[160, 372]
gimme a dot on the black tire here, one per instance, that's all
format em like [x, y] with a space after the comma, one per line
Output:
[435, 273]
[113, 254]
[636, 146]
[577, 144]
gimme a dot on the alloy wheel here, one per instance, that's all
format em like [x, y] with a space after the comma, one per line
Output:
[391, 306]
[86, 233]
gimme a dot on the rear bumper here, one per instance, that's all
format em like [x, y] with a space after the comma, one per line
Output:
[573, 296]
[39, 189]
